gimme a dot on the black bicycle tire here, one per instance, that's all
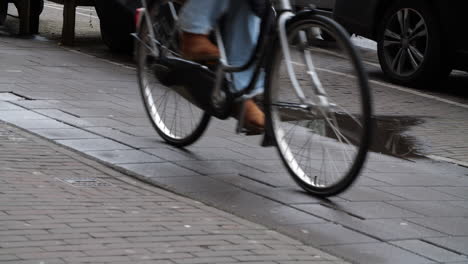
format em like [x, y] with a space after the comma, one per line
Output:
[205, 119]
[361, 156]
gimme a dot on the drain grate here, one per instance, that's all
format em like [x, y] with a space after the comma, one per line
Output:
[86, 182]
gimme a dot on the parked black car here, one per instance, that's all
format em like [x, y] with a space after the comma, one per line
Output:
[419, 41]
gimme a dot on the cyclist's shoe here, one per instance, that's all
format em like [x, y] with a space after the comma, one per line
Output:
[198, 47]
[254, 118]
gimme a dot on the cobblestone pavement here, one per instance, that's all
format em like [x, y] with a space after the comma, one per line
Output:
[398, 212]
[57, 207]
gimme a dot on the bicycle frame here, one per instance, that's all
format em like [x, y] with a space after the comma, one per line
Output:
[284, 13]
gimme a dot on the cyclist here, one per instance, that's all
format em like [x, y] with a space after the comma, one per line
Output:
[240, 27]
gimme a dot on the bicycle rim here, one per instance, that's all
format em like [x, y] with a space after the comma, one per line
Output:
[176, 119]
[324, 148]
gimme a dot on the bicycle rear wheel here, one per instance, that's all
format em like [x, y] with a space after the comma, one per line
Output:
[175, 119]
[324, 146]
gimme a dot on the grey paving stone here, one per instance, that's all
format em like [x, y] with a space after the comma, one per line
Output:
[241, 140]
[385, 229]
[457, 244]
[216, 141]
[325, 234]
[90, 104]
[463, 203]
[171, 154]
[418, 193]
[219, 153]
[413, 179]
[455, 226]
[269, 180]
[286, 195]
[45, 95]
[65, 133]
[92, 96]
[93, 144]
[432, 208]
[267, 166]
[195, 184]
[43, 104]
[100, 122]
[135, 121]
[138, 131]
[272, 179]
[357, 194]
[136, 142]
[430, 251]
[96, 112]
[395, 167]
[257, 152]
[142, 142]
[374, 210]
[376, 253]
[6, 106]
[159, 170]
[216, 167]
[362, 180]
[461, 192]
[287, 216]
[40, 124]
[326, 211]
[63, 116]
[46, 87]
[124, 156]
[236, 201]
[20, 115]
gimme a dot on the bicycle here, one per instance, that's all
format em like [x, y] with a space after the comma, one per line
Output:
[321, 127]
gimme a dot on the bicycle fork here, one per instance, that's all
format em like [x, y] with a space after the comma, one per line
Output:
[320, 101]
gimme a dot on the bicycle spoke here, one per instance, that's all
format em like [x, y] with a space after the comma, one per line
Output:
[320, 139]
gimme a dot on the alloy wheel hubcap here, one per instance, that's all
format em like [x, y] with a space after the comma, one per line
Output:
[405, 42]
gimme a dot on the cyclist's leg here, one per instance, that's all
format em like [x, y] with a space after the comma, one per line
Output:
[241, 28]
[200, 16]
[197, 19]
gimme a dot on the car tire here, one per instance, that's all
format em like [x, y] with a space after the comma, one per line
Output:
[116, 24]
[413, 54]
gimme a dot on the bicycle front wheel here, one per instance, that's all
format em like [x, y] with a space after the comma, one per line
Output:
[174, 117]
[324, 133]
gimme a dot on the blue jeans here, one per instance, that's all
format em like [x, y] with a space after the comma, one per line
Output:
[241, 28]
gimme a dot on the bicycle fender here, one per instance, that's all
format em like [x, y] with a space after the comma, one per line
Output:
[303, 14]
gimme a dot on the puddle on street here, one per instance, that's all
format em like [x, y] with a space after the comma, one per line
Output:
[391, 138]
[390, 134]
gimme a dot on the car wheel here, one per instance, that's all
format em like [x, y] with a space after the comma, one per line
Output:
[410, 47]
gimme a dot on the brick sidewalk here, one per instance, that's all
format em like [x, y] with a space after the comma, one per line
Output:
[57, 207]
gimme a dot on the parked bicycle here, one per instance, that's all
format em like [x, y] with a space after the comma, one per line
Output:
[317, 101]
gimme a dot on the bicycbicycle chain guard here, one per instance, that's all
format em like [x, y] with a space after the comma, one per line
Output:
[193, 81]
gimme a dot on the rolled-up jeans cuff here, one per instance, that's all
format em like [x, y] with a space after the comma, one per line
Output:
[196, 29]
